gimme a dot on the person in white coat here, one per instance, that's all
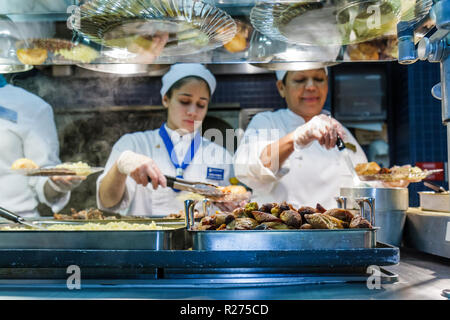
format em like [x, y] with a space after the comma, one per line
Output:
[27, 130]
[175, 149]
[291, 154]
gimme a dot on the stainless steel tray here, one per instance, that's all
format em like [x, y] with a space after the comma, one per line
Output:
[283, 239]
[272, 240]
[171, 239]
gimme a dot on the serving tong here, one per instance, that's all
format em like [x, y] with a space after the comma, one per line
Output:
[205, 189]
[17, 219]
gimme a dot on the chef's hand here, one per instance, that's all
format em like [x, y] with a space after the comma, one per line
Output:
[151, 53]
[321, 128]
[140, 168]
[64, 184]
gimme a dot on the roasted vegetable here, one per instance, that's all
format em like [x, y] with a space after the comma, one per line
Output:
[291, 218]
[320, 209]
[359, 222]
[238, 213]
[341, 214]
[275, 210]
[324, 221]
[274, 225]
[306, 226]
[267, 207]
[245, 224]
[306, 210]
[249, 207]
[264, 217]
[222, 218]
[284, 206]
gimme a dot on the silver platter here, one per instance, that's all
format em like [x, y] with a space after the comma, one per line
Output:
[193, 25]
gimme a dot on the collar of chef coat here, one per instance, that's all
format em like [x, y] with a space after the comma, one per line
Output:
[177, 138]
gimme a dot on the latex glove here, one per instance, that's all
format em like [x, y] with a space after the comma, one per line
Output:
[140, 168]
[322, 128]
[64, 184]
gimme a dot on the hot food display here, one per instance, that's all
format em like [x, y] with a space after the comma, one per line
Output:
[282, 216]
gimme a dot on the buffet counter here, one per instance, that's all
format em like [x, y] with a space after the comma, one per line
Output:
[416, 276]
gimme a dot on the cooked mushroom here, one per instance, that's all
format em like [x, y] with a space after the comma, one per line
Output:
[291, 218]
[341, 214]
[324, 221]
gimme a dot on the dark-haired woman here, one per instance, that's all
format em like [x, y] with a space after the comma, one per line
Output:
[175, 149]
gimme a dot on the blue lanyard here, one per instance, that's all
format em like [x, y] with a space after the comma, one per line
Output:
[2, 81]
[195, 144]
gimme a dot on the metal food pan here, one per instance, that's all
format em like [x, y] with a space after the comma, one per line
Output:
[171, 239]
[283, 239]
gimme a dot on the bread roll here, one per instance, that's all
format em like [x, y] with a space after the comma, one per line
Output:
[34, 56]
[24, 163]
[234, 189]
[366, 169]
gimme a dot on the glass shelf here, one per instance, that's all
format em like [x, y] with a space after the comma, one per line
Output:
[263, 32]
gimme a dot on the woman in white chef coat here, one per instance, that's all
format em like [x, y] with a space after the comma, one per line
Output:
[175, 149]
[291, 154]
[27, 130]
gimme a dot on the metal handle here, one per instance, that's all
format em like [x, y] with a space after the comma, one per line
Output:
[189, 206]
[206, 204]
[340, 143]
[341, 202]
[9, 215]
[362, 210]
[170, 180]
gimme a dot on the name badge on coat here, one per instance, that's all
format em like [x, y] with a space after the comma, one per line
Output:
[215, 173]
[8, 114]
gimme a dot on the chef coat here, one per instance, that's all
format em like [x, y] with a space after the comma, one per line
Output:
[310, 175]
[27, 130]
[211, 164]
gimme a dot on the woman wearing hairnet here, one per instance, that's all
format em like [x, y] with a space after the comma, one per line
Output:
[175, 149]
[291, 154]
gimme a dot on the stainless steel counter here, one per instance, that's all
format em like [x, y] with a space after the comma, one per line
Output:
[420, 276]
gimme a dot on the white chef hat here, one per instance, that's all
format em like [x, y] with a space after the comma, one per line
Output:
[282, 73]
[182, 70]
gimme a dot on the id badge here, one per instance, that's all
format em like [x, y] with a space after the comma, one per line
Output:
[215, 173]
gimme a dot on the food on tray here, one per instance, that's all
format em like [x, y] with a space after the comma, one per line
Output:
[34, 56]
[110, 226]
[392, 176]
[182, 215]
[80, 53]
[116, 226]
[281, 216]
[341, 214]
[64, 48]
[24, 163]
[241, 38]
[324, 221]
[80, 168]
[88, 214]
[367, 168]
[383, 48]
[360, 223]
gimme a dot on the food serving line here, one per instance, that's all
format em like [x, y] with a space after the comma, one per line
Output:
[187, 263]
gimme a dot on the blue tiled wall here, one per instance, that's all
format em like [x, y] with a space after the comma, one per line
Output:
[419, 134]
